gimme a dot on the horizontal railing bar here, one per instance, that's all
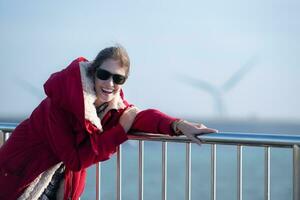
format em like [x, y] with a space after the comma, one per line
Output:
[8, 127]
[252, 139]
[231, 138]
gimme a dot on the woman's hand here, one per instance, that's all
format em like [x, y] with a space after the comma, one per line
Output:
[128, 117]
[191, 130]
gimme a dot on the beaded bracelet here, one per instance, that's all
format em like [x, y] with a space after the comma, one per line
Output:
[175, 128]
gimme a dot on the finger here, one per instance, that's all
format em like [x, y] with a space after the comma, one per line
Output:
[207, 130]
[194, 139]
[129, 109]
[133, 109]
[198, 125]
[136, 110]
[201, 126]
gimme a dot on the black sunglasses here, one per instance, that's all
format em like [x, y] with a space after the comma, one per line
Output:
[105, 75]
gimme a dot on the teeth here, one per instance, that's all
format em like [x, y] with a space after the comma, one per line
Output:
[107, 90]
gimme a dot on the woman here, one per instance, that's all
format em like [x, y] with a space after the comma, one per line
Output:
[81, 122]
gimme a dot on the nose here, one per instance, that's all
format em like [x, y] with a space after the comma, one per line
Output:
[110, 82]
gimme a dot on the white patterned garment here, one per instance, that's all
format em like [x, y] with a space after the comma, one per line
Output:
[37, 187]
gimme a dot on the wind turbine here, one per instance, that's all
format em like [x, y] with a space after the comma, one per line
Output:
[30, 88]
[216, 92]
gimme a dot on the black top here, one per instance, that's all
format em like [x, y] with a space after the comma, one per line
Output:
[52, 188]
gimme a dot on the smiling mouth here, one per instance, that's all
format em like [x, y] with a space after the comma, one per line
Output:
[107, 91]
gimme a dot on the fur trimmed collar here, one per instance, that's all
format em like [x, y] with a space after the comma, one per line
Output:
[89, 96]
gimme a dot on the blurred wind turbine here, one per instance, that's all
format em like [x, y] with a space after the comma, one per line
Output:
[30, 88]
[218, 92]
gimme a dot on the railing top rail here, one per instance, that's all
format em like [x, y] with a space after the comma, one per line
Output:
[233, 138]
[8, 127]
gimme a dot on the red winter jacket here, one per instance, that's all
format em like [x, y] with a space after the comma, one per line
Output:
[59, 130]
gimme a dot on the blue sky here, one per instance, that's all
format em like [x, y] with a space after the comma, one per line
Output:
[166, 40]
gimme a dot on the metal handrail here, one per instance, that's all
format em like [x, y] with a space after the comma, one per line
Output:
[225, 138]
[7, 127]
[229, 138]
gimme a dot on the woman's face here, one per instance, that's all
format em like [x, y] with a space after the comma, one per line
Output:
[106, 90]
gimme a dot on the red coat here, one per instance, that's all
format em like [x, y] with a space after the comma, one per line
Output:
[59, 131]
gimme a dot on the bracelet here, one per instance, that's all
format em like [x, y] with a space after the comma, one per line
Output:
[175, 128]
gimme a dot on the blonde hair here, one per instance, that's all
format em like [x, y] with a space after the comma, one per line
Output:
[117, 52]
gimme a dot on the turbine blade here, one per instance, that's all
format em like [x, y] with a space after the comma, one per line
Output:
[197, 83]
[30, 88]
[240, 74]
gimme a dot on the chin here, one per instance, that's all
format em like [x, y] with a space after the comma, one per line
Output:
[107, 98]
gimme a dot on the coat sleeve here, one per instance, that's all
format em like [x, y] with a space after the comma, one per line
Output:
[63, 141]
[153, 121]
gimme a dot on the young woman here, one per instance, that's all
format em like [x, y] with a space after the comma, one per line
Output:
[81, 122]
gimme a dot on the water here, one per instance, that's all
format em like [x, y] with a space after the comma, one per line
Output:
[253, 173]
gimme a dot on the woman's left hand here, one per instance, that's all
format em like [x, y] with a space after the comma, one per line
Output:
[191, 130]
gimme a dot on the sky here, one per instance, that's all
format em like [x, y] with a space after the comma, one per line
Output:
[183, 53]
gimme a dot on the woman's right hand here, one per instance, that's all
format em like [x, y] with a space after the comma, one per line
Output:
[128, 117]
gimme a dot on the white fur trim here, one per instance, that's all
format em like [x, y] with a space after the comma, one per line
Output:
[37, 187]
[89, 96]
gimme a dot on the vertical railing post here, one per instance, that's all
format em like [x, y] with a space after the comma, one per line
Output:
[119, 173]
[1, 138]
[188, 168]
[267, 173]
[239, 172]
[213, 172]
[296, 172]
[164, 170]
[141, 170]
[98, 181]
[6, 136]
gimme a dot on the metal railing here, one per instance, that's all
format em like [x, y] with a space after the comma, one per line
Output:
[238, 139]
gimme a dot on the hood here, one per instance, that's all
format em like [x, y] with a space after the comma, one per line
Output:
[72, 90]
